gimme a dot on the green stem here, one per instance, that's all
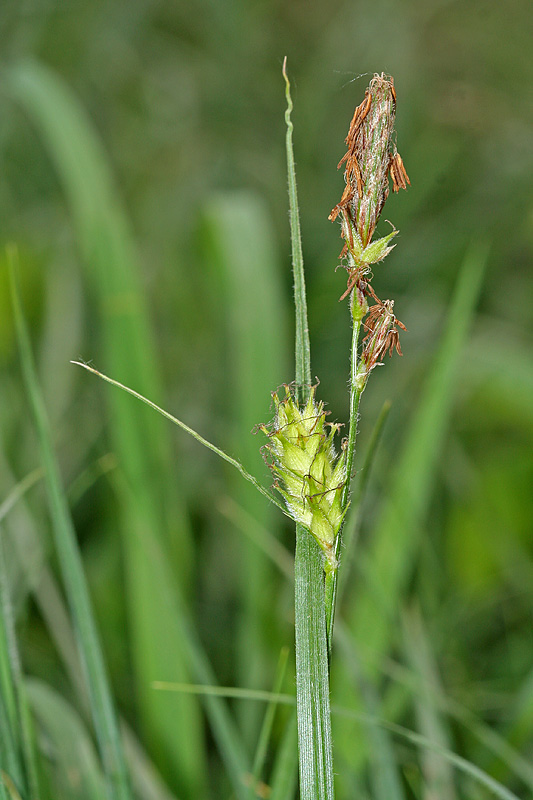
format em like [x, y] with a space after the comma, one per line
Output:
[358, 495]
[312, 678]
[312, 669]
[355, 397]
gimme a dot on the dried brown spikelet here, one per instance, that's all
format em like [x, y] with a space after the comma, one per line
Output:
[370, 158]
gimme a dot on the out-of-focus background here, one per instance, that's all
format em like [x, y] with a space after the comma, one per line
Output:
[143, 181]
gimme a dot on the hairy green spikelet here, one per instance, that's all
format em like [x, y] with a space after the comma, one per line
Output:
[308, 472]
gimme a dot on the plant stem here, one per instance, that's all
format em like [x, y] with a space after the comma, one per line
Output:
[312, 678]
[355, 397]
[312, 668]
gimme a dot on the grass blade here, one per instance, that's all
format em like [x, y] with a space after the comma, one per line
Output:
[73, 576]
[285, 769]
[145, 778]
[233, 461]
[76, 772]
[386, 566]
[152, 507]
[302, 344]
[260, 536]
[247, 277]
[226, 736]
[437, 772]
[312, 667]
[229, 743]
[395, 539]
[37, 578]
[8, 788]
[19, 491]
[21, 721]
[10, 762]
[268, 721]
[492, 741]
[382, 767]
[460, 763]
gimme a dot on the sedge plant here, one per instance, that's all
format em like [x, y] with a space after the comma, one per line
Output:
[312, 478]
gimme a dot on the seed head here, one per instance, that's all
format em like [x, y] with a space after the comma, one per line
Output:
[308, 473]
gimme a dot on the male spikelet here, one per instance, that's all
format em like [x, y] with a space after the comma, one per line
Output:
[371, 158]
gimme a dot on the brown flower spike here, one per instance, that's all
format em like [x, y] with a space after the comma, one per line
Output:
[371, 157]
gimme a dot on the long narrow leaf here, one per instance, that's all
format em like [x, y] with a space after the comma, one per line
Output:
[224, 731]
[73, 575]
[268, 721]
[395, 539]
[233, 461]
[37, 578]
[9, 741]
[437, 772]
[312, 666]
[384, 570]
[461, 764]
[246, 272]
[18, 724]
[73, 761]
[383, 770]
[145, 779]
[302, 344]
[10, 761]
[285, 769]
[230, 745]
[151, 505]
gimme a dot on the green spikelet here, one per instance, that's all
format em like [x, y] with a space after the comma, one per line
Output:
[308, 473]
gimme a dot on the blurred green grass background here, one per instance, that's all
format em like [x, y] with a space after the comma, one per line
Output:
[143, 181]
